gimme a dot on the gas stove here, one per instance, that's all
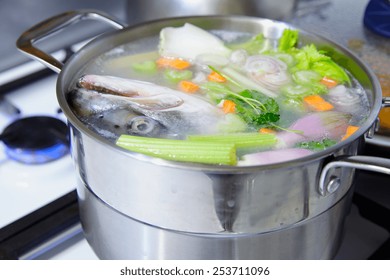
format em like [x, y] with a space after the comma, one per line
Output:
[38, 202]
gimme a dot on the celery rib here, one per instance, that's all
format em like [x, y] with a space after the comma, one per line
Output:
[240, 140]
[181, 150]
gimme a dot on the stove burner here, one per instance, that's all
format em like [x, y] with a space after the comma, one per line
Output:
[37, 139]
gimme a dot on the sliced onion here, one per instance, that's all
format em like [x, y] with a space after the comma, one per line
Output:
[238, 57]
[344, 100]
[274, 81]
[260, 64]
[267, 71]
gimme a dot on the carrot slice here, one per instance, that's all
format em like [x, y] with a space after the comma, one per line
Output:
[228, 106]
[266, 130]
[351, 129]
[330, 83]
[175, 63]
[188, 86]
[317, 103]
[216, 77]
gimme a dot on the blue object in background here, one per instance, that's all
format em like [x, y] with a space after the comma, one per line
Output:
[377, 17]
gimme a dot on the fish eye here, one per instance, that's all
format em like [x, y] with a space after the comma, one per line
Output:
[143, 125]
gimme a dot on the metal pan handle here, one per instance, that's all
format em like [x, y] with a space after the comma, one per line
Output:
[376, 164]
[386, 102]
[53, 25]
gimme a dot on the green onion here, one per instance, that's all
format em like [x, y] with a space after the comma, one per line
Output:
[181, 150]
[246, 82]
[240, 140]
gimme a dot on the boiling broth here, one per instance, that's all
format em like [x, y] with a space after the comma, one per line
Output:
[269, 92]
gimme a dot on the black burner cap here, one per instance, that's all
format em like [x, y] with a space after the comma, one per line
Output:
[35, 133]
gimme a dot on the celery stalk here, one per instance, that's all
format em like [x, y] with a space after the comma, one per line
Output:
[181, 150]
[145, 67]
[240, 140]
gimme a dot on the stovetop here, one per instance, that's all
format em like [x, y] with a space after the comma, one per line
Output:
[38, 202]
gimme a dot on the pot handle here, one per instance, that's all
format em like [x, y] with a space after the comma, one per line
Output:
[376, 164]
[52, 25]
[386, 102]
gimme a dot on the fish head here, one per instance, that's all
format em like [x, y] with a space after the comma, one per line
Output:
[174, 111]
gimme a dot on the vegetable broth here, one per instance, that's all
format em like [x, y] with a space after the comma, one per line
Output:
[240, 85]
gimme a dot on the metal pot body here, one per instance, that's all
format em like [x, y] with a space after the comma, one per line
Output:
[113, 235]
[199, 205]
[146, 10]
[204, 201]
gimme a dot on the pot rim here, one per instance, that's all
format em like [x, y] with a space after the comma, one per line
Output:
[76, 123]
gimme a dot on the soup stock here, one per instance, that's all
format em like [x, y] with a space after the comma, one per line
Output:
[133, 206]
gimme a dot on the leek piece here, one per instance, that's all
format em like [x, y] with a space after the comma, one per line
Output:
[240, 140]
[247, 82]
[181, 150]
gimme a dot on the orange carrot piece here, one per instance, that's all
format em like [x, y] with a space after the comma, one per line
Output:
[266, 130]
[188, 86]
[351, 129]
[228, 106]
[175, 63]
[216, 77]
[317, 103]
[330, 83]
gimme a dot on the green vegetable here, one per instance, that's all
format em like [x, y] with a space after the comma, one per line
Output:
[310, 79]
[309, 58]
[306, 77]
[254, 45]
[332, 70]
[317, 145]
[252, 106]
[175, 76]
[295, 91]
[288, 40]
[285, 57]
[240, 140]
[181, 150]
[215, 91]
[232, 123]
[146, 67]
[255, 108]
[293, 104]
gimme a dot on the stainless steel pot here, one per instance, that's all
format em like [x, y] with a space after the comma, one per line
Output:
[146, 10]
[135, 206]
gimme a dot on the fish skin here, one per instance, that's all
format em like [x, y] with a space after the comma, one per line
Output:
[175, 110]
